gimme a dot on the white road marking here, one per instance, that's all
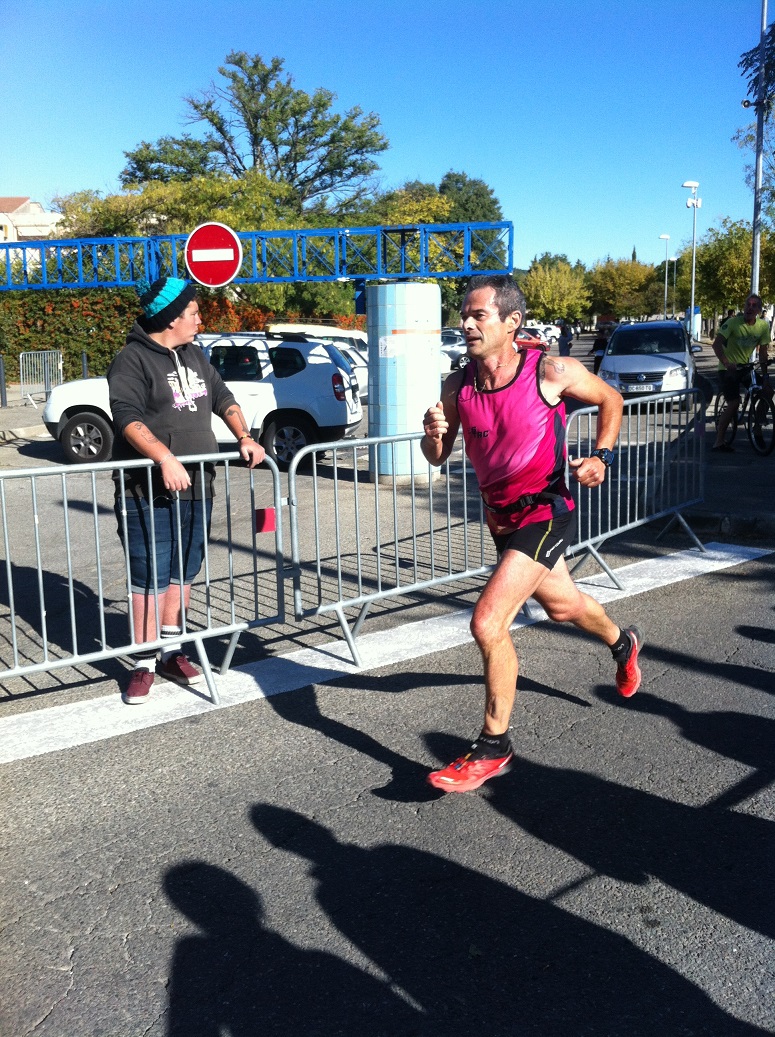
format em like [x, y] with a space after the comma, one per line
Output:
[64, 727]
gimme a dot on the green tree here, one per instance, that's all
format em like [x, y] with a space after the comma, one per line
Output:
[175, 207]
[471, 200]
[624, 288]
[255, 119]
[553, 288]
[723, 267]
[745, 137]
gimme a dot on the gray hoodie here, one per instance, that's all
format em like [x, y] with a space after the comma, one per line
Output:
[173, 392]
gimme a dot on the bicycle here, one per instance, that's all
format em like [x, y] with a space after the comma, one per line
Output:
[757, 411]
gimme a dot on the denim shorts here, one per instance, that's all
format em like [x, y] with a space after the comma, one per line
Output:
[194, 530]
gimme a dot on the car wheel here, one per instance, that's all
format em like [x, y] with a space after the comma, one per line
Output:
[87, 438]
[284, 437]
[461, 361]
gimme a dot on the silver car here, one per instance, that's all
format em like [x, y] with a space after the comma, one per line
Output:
[651, 357]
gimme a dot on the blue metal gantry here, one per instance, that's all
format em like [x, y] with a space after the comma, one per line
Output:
[356, 254]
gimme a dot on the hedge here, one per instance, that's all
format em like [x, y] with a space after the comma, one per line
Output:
[97, 321]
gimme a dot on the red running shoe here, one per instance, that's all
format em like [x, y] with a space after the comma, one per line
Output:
[178, 669]
[465, 774]
[628, 673]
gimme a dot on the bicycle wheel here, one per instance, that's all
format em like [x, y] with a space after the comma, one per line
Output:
[731, 430]
[761, 423]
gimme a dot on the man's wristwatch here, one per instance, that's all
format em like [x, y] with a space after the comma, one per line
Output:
[606, 456]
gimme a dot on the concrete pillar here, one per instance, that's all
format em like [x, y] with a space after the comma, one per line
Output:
[404, 327]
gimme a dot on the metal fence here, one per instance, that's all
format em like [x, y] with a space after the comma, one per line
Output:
[65, 596]
[359, 536]
[658, 471]
[39, 373]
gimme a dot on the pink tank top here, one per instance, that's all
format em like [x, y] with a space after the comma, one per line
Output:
[516, 443]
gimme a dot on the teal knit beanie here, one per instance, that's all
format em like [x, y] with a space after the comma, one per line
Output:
[163, 301]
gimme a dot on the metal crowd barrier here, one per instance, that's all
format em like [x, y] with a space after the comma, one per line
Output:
[658, 471]
[39, 373]
[65, 594]
[359, 536]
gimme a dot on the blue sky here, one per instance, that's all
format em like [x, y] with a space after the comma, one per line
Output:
[584, 117]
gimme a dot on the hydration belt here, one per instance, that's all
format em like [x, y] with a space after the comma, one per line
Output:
[527, 500]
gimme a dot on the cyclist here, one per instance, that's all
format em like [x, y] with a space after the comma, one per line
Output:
[737, 339]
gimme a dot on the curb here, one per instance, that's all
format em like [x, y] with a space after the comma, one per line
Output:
[9, 435]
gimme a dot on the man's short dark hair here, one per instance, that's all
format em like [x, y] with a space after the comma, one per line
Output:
[508, 295]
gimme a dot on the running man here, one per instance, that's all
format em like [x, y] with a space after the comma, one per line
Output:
[510, 405]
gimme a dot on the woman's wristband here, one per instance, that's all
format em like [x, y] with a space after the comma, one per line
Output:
[246, 436]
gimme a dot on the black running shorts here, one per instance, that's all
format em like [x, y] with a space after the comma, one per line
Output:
[544, 542]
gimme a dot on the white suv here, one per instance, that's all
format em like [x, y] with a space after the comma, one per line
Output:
[291, 393]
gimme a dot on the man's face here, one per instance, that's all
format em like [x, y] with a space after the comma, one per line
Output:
[187, 324]
[753, 308]
[486, 334]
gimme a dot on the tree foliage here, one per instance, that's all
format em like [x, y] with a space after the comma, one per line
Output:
[413, 203]
[750, 63]
[623, 287]
[553, 288]
[471, 200]
[254, 118]
[174, 207]
[723, 267]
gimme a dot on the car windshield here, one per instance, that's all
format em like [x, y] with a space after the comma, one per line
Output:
[646, 342]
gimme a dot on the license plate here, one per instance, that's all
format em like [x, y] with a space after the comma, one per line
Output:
[641, 388]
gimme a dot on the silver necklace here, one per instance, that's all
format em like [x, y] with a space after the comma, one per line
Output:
[482, 388]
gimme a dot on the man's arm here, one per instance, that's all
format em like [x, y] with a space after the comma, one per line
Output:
[563, 378]
[719, 347]
[441, 423]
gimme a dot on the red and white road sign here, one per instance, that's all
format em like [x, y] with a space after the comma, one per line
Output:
[213, 254]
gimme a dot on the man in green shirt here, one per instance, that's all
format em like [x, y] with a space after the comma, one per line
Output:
[734, 345]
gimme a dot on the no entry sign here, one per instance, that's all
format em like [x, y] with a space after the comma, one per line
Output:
[213, 254]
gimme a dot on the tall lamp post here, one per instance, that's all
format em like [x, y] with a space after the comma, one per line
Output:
[666, 239]
[674, 261]
[760, 105]
[693, 203]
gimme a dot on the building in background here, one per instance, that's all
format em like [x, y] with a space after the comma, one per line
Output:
[21, 219]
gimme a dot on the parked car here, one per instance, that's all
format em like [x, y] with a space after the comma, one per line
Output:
[550, 331]
[651, 357]
[453, 347]
[358, 361]
[532, 338]
[351, 338]
[291, 393]
[452, 337]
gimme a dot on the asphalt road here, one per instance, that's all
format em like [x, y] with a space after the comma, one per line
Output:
[280, 866]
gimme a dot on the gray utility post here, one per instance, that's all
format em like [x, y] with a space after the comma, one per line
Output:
[759, 104]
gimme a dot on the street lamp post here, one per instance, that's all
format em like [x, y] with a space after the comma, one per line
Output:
[674, 261]
[666, 239]
[693, 203]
